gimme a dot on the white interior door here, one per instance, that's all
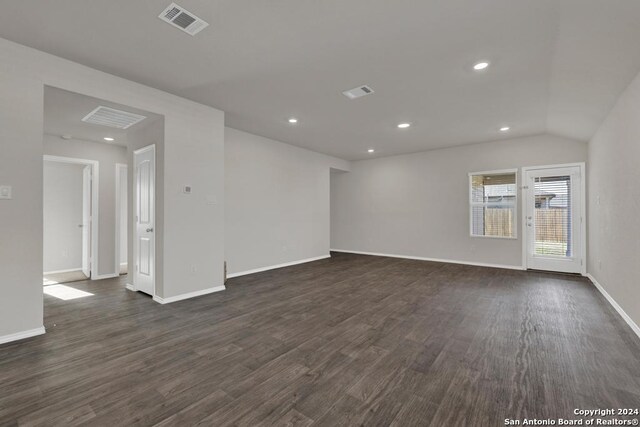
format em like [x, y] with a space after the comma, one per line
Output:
[86, 221]
[554, 218]
[144, 239]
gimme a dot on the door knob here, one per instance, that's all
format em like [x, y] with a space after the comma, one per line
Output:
[149, 230]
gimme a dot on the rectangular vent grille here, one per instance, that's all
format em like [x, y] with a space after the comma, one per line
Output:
[181, 18]
[111, 117]
[357, 92]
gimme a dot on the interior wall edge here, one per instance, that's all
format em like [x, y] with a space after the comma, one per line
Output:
[634, 327]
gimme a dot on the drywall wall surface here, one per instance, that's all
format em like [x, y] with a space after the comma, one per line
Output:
[276, 202]
[62, 186]
[418, 204]
[614, 202]
[21, 106]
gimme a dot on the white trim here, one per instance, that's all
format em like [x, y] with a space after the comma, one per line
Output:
[130, 287]
[71, 270]
[446, 261]
[615, 305]
[119, 167]
[22, 335]
[583, 207]
[105, 276]
[273, 267]
[188, 295]
[95, 208]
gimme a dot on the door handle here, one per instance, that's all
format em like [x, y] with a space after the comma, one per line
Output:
[149, 230]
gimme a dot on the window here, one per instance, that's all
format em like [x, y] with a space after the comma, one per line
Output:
[493, 203]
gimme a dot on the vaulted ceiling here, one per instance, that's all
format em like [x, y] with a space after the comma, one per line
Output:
[556, 66]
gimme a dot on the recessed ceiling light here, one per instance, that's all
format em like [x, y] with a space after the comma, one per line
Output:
[371, 150]
[404, 125]
[504, 128]
[481, 66]
[106, 138]
[293, 120]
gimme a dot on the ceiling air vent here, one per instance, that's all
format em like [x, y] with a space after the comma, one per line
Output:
[183, 19]
[111, 117]
[357, 92]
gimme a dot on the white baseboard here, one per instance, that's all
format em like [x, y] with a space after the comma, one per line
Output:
[188, 295]
[104, 276]
[130, 287]
[273, 267]
[615, 305]
[22, 335]
[70, 270]
[447, 261]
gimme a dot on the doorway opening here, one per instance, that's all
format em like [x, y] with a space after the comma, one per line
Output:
[98, 140]
[70, 219]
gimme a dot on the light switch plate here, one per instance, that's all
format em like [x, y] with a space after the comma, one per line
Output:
[5, 192]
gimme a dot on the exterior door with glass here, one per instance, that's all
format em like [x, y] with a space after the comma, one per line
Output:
[554, 229]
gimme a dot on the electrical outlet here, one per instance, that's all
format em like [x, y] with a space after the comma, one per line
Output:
[194, 269]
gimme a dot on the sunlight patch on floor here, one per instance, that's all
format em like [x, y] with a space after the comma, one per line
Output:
[65, 292]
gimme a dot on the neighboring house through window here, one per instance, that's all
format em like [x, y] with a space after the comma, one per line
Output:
[493, 203]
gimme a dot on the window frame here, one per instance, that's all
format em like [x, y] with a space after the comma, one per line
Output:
[515, 205]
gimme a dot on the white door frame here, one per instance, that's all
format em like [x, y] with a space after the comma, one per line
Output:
[94, 164]
[134, 185]
[583, 208]
[119, 168]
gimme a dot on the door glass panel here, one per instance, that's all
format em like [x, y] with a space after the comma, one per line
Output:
[553, 216]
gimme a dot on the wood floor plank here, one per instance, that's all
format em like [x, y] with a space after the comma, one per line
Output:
[350, 340]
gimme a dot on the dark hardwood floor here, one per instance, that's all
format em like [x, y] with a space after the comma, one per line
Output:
[351, 340]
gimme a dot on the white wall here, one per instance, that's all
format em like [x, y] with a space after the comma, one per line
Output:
[614, 202]
[417, 204]
[194, 147]
[276, 202]
[62, 214]
[107, 155]
[123, 214]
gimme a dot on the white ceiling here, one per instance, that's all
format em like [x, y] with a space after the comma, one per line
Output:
[556, 65]
[63, 113]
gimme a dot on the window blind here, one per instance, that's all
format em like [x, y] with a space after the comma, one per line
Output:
[553, 216]
[493, 204]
